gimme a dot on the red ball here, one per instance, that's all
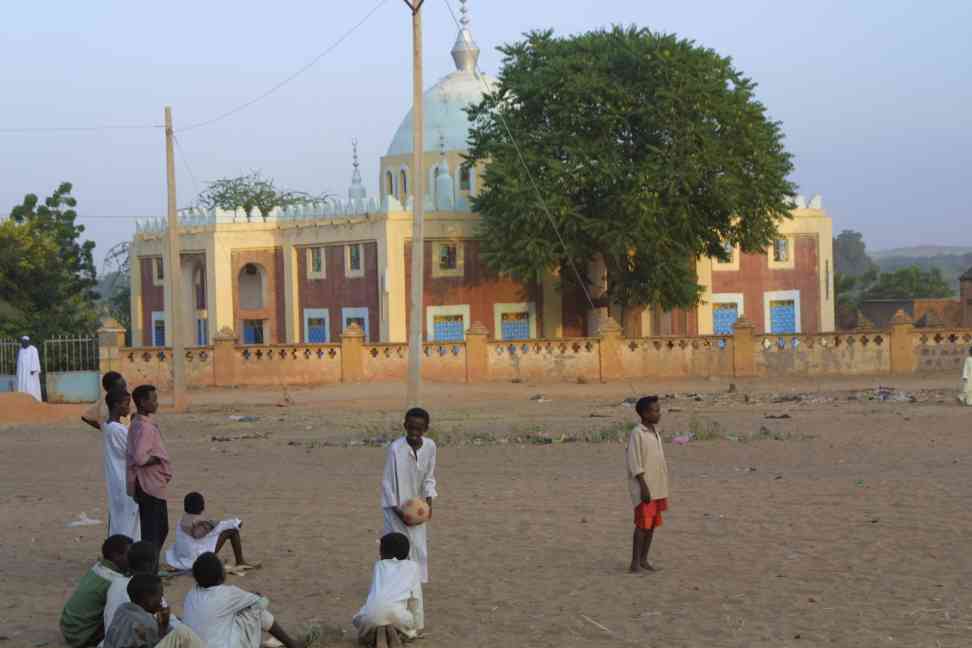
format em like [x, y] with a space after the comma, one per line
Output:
[415, 511]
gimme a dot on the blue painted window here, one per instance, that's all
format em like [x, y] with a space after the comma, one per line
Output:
[448, 328]
[202, 332]
[317, 330]
[783, 316]
[159, 337]
[253, 332]
[724, 317]
[515, 326]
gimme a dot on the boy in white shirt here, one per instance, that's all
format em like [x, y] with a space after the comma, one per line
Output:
[647, 480]
[394, 606]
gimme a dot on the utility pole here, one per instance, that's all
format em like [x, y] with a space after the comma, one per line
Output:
[173, 275]
[415, 324]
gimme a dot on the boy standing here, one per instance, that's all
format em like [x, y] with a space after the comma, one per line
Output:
[144, 622]
[394, 605]
[122, 509]
[149, 471]
[81, 620]
[647, 480]
[97, 414]
[410, 473]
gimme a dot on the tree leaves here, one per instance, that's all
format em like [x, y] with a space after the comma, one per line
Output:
[249, 191]
[648, 150]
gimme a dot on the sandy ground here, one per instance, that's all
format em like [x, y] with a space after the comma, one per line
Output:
[844, 525]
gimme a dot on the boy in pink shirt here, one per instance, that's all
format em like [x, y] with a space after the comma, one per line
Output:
[149, 471]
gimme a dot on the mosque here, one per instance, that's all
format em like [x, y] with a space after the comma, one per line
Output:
[305, 273]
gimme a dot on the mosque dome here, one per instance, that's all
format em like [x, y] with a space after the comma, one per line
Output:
[445, 117]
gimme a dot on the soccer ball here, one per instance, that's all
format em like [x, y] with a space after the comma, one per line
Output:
[415, 511]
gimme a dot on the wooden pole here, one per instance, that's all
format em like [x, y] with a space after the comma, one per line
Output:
[415, 351]
[173, 274]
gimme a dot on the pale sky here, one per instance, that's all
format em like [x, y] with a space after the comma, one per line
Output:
[874, 96]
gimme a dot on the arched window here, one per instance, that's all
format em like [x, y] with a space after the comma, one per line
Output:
[404, 183]
[251, 287]
[389, 183]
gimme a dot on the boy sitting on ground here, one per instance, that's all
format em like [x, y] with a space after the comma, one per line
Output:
[82, 623]
[224, 616]
[143, 558]
[144, 621]
[196, 535]
[394, 606]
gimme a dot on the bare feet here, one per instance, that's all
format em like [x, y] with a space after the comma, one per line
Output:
[635, 568]
[647, 566]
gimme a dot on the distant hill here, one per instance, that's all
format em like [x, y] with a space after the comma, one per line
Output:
[952, 266]
[921, 252]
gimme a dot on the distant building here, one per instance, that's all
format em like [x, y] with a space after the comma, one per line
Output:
[303, 274]
[965, 296]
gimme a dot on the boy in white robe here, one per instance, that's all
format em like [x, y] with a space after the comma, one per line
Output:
[395, 599]
[965, 393]
[410, 473]
[196, 535]
[224, 616]
[28, 369]
[97, 415]
[122, 509]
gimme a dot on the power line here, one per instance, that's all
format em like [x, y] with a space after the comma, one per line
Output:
[185, 161]
[76, 129]
[290, 78]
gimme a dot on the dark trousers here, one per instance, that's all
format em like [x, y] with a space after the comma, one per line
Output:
[153, 515]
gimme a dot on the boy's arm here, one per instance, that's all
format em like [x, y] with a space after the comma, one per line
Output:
[144, 444]
[93, 424]
[428, 484]
[645, 491]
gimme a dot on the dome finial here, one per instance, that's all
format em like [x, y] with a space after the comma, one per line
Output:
[465, 52]
[357, 190]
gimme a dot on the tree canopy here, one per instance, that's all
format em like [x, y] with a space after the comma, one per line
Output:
[647, 150]
[850, 255]
[47, 273]
[249, 191]
[910, 283]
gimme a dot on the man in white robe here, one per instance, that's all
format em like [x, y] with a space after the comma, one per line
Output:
[410, 473]
[28, 369]
[965, 393]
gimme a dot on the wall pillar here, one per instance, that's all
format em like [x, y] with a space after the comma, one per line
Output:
[291, 285]
[743, 349]
[902, 346]
[609, 349]
[477, 369]
[352, 354]
[111, 339]
[553, 306]
[224, 358]
[135, 281]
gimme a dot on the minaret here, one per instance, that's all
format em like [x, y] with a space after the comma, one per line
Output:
[465, 52]
[444, 198]
[357, 190]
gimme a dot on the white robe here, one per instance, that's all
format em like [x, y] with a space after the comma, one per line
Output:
[965, 395]
[28, 362]
[226, 616]
[395, 599]
[122, 509]
[184, 551]
[406, 478]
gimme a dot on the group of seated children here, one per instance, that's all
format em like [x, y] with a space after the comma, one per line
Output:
[120, 603]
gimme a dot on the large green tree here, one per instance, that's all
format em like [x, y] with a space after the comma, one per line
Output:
[647, 151]
[249, 191]
[47, 273]
[910, 283]
[850, 255]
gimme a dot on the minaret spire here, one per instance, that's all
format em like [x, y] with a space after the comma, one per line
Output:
[357, 190]
[465, 52]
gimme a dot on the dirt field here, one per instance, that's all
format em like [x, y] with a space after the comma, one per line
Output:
[845, 524]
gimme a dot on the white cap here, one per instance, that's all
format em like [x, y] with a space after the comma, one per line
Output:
[26, 338]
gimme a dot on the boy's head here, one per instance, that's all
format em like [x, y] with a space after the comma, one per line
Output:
[115, 550]
[208, 570]
[119, 401]
[194, 503]
[145, 590]
[416, 423]
[146, 399]
[111, 380]
[649, 410]
[143, 558]
[394, 545]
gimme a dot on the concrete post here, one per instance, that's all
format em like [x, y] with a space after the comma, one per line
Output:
[902, 346]
[352, 354]
[743, 349]
[610, 349]
[477, 367]
[111, 339]
[224, 358]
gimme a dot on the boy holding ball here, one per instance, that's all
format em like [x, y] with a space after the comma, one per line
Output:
[409, 474]
[647, 480]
